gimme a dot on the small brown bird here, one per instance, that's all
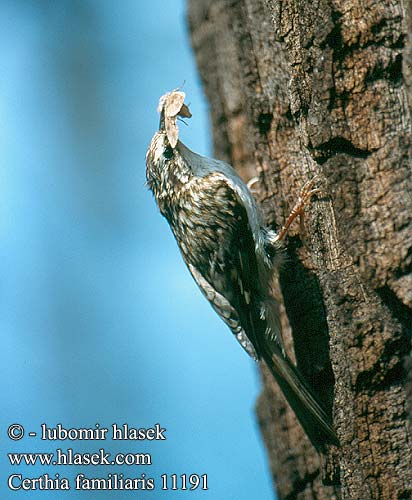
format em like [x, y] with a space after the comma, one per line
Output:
[230, 253]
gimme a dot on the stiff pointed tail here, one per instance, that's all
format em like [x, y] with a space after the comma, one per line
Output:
[313, 418]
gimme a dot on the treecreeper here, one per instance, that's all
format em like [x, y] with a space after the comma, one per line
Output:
[230, 253]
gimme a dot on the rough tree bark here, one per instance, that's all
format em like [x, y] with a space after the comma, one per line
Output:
[301, 88]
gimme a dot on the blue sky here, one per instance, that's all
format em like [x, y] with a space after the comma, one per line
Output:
[100, 320]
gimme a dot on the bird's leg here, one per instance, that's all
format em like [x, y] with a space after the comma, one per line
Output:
[298, 210]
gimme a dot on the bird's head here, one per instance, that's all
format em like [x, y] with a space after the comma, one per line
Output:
[165, 165]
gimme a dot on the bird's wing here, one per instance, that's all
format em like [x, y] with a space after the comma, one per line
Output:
[222, 257]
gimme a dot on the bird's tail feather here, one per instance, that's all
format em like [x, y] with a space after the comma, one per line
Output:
[311, 415]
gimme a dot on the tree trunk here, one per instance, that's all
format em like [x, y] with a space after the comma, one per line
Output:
[298, 89]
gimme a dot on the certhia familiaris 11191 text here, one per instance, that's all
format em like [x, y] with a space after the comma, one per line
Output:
[229, 252]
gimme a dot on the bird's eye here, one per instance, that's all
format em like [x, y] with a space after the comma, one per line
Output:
[168, 152]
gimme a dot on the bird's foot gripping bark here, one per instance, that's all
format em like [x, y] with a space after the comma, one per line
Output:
[298, 210]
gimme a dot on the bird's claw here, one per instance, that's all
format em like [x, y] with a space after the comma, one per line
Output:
[305, 195]
[252, 182]
[298, 210]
